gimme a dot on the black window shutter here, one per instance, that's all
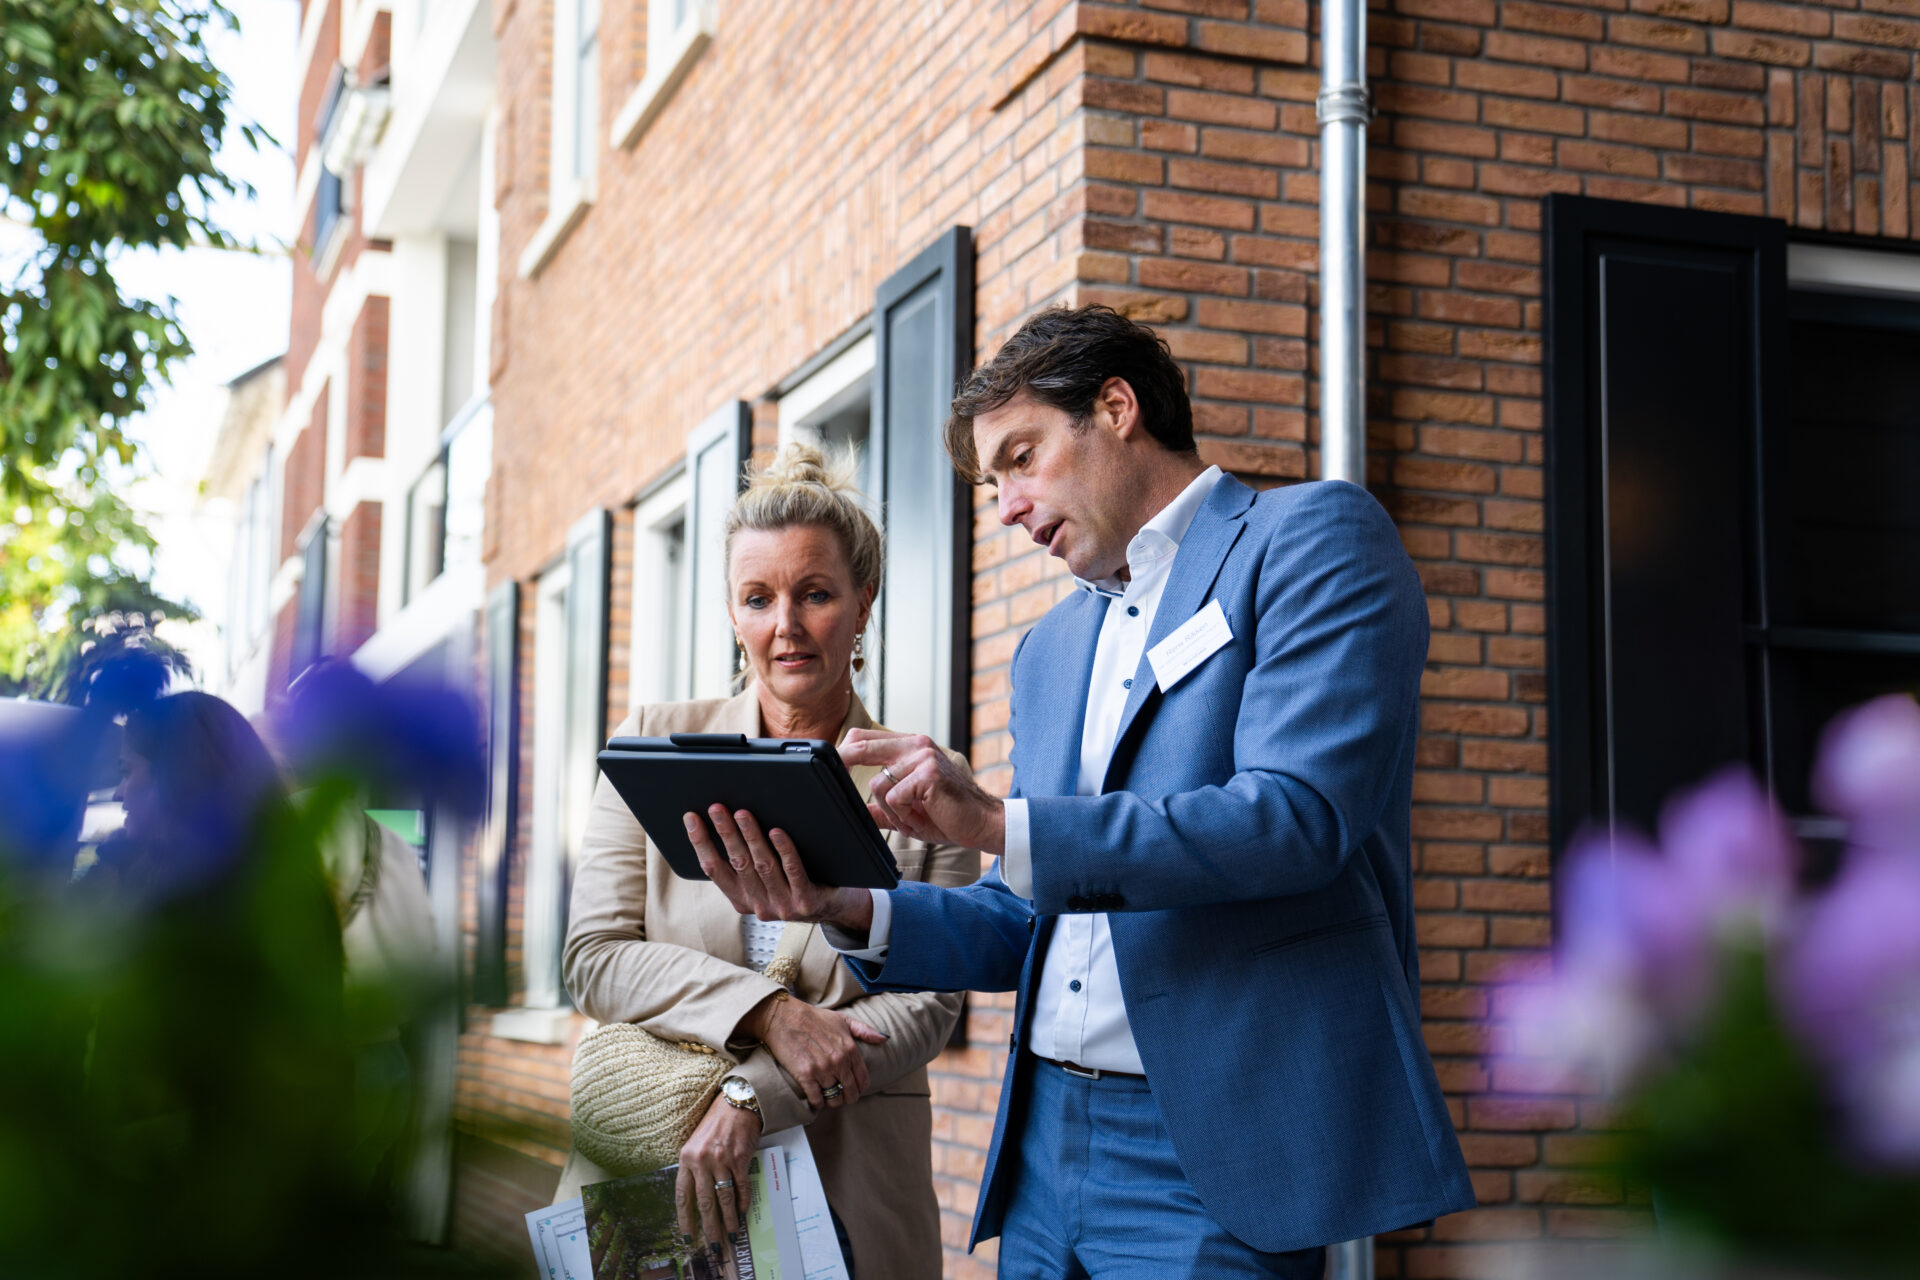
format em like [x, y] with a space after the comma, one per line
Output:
[588, 564]
[716, 470]
[923, 327]
[1665, 358]
[503, 774]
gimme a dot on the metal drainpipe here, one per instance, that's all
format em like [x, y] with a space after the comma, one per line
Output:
[1343, 110]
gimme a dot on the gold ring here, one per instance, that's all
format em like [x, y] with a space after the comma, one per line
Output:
[832, 1091]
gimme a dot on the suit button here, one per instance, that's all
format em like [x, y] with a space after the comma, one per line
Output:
[1074, 985]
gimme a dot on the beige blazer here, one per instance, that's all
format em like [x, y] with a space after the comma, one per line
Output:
[647, 947]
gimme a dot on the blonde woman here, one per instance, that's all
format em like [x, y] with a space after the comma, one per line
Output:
[803, 563]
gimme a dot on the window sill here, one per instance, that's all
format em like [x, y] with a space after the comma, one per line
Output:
[565, 210]
[663, 77]
[533, 1026]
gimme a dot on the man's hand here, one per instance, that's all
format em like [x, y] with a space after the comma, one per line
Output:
[920, 791]
[762, 876]
[718, 1151]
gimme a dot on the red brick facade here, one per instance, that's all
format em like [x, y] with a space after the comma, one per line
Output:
[317, 270]
[1161, 157]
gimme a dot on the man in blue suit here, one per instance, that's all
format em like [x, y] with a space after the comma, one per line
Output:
[1202, 894]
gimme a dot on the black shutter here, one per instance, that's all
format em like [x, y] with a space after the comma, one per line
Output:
[1665, 358]
[503, 792]
[923, 326]
[588, 565]
[716, 471]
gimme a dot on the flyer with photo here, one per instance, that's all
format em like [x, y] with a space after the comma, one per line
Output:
[632, 1232]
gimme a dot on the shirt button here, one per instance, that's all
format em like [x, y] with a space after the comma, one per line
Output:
[1074, 985]
[1133, 611]
[1127, 683]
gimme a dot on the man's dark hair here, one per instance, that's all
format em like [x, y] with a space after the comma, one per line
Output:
[1062, 356]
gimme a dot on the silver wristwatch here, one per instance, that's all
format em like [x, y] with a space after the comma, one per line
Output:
[739, 1093]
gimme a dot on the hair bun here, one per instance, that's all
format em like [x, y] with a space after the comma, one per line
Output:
[802, 462]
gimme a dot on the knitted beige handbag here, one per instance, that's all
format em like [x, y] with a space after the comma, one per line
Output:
[638, 1098]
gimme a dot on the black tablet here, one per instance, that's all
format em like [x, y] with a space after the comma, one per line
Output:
[797, 785]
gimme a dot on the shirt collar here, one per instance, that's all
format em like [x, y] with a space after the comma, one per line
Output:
[1159, 538]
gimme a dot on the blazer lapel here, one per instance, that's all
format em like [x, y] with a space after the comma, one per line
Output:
[719, 922]
[1215, 528]
[1050, 762]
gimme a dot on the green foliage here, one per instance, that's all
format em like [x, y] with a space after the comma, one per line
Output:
[63, 582]
[110, 117]
[1737, 1138]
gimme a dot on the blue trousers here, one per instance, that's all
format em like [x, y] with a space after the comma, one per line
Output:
[1099, 1195]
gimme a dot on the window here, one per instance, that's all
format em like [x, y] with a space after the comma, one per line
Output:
[833, 406]
[677, 32]
[716, 467]
[329, 196]
[569, 727]
[542, 930]
[659, 666]
[576, 94]
[1731, 532]
[310, 617]
[426, 530]
[883, 394]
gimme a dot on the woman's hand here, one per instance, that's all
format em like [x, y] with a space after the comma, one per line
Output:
[718, 1151]
[761, 874]
[819, 1048]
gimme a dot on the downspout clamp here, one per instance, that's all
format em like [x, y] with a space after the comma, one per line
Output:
[1343, 109]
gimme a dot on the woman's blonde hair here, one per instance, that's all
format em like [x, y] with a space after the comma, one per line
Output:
[806, 485]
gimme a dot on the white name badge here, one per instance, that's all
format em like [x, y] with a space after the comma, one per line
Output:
[1189, 645]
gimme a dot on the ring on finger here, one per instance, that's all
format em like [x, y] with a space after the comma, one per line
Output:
[832, 1091]
[891, 775]
[725, 1184]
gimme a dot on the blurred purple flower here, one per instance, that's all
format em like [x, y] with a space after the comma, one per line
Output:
[1728, 841]
[48, 755]
[1850, 987]
[1850, 981]
[418, 738]
[1636, 962]
[1869, 773]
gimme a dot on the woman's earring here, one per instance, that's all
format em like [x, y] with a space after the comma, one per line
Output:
[860, 652]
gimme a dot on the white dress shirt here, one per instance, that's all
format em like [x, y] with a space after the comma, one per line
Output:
[1078, 1013]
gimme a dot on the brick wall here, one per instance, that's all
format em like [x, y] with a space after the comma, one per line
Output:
[1160, 157]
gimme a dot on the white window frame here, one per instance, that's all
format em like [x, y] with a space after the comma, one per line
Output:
[573, 151]
[659, 644]
[678, 32]
[540, 940]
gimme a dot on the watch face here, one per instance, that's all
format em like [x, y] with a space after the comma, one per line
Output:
[739, 1090]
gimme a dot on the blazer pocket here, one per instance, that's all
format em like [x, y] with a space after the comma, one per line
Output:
[1357, 925]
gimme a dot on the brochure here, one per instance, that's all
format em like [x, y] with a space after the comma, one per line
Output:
[804, 1241]
[632, 1233]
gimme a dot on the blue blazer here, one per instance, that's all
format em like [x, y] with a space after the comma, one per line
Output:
[1251, 846]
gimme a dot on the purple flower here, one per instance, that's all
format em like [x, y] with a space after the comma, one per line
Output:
[1729, 843]
[1869, 772]
[1850, 988]
[1636, 964]
[418, 738]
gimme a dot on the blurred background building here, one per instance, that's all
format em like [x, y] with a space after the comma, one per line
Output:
[1642, 319]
